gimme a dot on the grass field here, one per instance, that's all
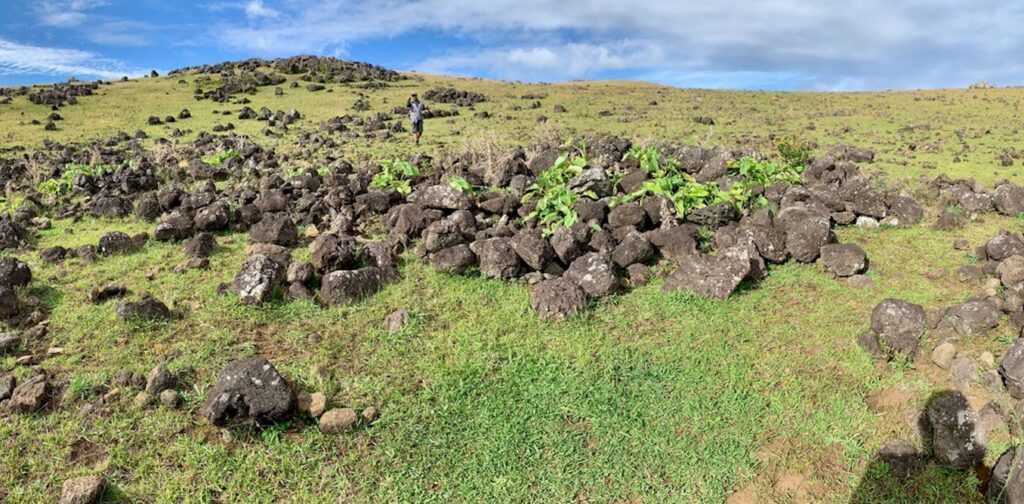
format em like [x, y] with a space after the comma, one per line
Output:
[764, 397]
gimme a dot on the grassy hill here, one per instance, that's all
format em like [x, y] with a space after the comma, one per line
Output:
[763, 397]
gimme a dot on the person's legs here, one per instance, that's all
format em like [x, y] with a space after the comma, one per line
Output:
[417, 130]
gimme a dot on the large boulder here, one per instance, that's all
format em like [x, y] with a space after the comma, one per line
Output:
[969, 319]
[806, 232]
[256, 280]
[958, 442]
[1007, 483]
[497, 258]
[278, 229]
[1009, 199]
[14, 273]
[442, 197]
[347, 286]
[455, 259]
[1011, 273]
[844, 259]
[213, 217]
[899, 326]
[331, 252]
[249, 391]
[710, 276]
[1011, 369]
[534, 250]
[1003, 246]
[557, 298]
[594, 273]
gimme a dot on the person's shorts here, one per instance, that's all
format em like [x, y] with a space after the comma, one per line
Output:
[417, 126]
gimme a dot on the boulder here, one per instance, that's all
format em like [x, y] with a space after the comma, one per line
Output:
[899, 326]
[14, 273]
[249, 391]
[1007, 483]
[278, 229]
[455, 259]
[175, 226]
[116, 242]
[332, 252]
[256, 280]
[632, 249]
[347, 286]
[844, 259]
[806, 233]
[1009, 199]
[1011, 369]
[557, 298]
[442, 197]
[710, 276]
[213, 217]
[145, 310]
[1011, 273]
[569, 243]
[497, 258]
[970, 318]
[8, 302]
[627, 214]
[957, 440]
[594, 273]
[1004, 246]
[533, 249]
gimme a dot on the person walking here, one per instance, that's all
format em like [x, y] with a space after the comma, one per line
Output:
[416, 108]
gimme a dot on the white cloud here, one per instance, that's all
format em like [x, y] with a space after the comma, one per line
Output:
[553, 62]
[256, 9]
[65, 13]
[828, 43]
[18, 58]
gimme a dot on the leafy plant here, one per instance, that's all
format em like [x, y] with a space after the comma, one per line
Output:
[219, 158]
[395, 174]
[793, 151]
[554, 208]
[461, 184]
[62, 185]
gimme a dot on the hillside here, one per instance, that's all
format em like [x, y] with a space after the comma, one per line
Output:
[474, 394]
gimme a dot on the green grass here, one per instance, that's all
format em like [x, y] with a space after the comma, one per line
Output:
[647, 397]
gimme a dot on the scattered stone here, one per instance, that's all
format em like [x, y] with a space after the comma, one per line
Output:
[249, 390]
[312, 404]
[170, 399]
[844, 259]
[146, 309]
[338, 420]
[899, 326]
[109, 291]
[965, 372]
[346, 286]
[943, 355]
[256, 280]
[31, 395]
[159, 380]
[83, 490]
[396, 320]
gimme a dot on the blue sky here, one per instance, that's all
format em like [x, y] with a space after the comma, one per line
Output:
[768, 44]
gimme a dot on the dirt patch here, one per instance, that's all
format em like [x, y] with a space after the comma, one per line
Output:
[86, 453]
[888, 399]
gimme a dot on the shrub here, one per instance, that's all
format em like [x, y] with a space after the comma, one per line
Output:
[395, 174]
[555, 200]
[219, 158]
[62, 185]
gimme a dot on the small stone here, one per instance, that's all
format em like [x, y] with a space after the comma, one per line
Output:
[987, 359]
[159, 379]
[943, 355]
[338, 420]
[965, 372]
[867, 222]
[112, 395]
[312, 404]
[83, 490]
[369, 414]
[396, 320]
[170, 399]
[312, 231]
[143, 399]
[859, 281]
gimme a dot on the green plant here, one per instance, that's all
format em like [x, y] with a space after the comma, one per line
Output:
[219, 158]
[554, 208]
[793, 150]
[461, 184]
[62, 185]
[395, 174]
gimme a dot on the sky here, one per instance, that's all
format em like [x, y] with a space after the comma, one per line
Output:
[733, 44]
